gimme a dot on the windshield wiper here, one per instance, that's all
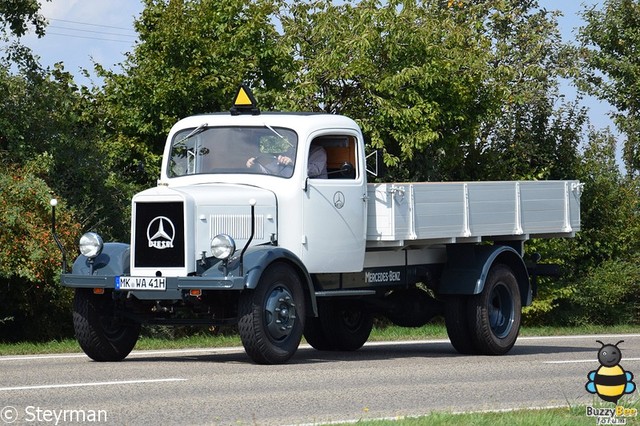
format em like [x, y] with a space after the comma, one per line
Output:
[194, 132]
[278, 134]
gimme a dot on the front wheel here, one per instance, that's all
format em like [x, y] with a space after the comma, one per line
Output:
[272, 316]
[102, 335]
[495, 314]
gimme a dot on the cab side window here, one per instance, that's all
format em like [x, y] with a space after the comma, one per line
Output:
[340, 153]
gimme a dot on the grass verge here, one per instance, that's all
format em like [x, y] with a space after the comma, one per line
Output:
[565, 416]
[205, 340]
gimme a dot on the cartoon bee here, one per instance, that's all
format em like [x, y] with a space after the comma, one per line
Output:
[610, 381]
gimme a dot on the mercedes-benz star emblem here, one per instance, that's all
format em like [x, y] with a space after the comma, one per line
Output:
[161, 233]
[338, 200]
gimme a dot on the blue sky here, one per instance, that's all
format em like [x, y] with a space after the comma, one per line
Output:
[82, 31]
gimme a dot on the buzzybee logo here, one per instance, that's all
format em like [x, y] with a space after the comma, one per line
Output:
[610, 381]
[161, 232]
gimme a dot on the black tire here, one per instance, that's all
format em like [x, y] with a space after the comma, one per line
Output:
[341, 326]
[349, 325]
[456, 319]
[102, 335]
[495, 314]
[272, 316]
[315, 335]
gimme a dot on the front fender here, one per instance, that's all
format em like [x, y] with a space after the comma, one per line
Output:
[256, 260]
[113, 261]
[468, 265]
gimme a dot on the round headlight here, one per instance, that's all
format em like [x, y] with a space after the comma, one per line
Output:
[91, 245]
[223, 246]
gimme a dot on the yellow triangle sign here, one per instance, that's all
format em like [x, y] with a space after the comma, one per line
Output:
[243, 97]
[245, 103]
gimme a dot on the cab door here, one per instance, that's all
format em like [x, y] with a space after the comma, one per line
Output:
[335, 208]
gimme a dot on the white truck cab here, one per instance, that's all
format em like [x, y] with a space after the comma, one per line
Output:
[266, 220]
[210, 163]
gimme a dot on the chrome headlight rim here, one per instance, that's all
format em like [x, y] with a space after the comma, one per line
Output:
[222, 246]
[91, 245]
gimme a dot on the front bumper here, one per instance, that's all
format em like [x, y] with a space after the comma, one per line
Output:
[175, 285]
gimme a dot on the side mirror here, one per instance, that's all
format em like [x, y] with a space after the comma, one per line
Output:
[375, 163]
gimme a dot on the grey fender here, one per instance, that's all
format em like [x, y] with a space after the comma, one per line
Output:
[256, 260]
[468, 265]
[114, 260]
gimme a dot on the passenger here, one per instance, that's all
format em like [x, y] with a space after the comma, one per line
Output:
[317, 167]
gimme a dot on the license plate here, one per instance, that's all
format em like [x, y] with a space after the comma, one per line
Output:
[141, 283]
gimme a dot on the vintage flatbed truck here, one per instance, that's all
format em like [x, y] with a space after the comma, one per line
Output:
[237, 232]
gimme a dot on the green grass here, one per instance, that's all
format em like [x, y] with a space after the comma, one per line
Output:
[567, 416]
[391, 333]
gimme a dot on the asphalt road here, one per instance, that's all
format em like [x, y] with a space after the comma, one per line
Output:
[222, 386]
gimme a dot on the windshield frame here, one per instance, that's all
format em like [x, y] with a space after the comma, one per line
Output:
[228, 150]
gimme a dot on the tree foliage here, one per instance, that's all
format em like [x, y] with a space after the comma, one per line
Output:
[33, 303]
[611, 67]
[600, 274]
[190, 59]
[610, 213]
[446, 89]
[17, 16]
[412, 73]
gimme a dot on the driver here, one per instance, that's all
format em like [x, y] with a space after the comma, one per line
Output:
[317, 167]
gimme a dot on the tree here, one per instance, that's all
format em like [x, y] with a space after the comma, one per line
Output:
[449, 90]
[191, 57]
[16, 18]
[18, 15]
[610, 213]
[610, 68]
[534, 135]
[412, 73]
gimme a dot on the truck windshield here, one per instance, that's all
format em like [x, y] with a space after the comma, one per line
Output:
[256, 150]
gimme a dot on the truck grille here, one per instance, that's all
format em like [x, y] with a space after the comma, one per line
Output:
[237, 225]
[158, 237]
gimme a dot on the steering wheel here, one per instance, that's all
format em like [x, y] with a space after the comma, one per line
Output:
[265, 161]
[269, 164]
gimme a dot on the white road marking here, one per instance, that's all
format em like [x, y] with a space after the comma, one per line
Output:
[79, 385]
[584, 336]
[595, 360]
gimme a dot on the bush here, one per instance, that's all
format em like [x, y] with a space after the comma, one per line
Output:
[34, 305]
[608, 295]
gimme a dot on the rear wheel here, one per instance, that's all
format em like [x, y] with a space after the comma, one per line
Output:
[456, 319]
[495, 314]
[315, 335]
[102, 335]
[341, 326]
[272, 316]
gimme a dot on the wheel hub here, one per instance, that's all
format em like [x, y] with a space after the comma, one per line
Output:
[280, 313]
[501, 311]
